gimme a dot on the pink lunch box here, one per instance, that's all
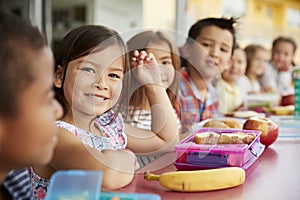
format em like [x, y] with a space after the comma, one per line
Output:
[191, 156]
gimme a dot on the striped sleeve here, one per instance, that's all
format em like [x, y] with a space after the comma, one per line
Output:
[18, 185]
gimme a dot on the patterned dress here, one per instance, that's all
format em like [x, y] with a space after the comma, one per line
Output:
[112, 129]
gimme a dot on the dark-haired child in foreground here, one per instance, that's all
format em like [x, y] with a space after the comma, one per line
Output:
[28, 108]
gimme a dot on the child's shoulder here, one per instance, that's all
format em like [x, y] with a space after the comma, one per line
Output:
[66, 126]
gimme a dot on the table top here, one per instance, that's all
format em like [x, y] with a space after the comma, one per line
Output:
[275, 175]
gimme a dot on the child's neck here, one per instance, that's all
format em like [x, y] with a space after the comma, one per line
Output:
[252, 77]
[79, 119]
[3, 175]
[230, 82]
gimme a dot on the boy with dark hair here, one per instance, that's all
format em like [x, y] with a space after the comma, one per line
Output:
[208, 50]
[28, 108]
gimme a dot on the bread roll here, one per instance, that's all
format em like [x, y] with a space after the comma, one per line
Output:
[213, 123]
[245, 114]
[226, 123]
[233, 123]
[235, 138]
[206, 138]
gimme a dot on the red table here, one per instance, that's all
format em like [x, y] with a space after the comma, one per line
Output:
[275, 175]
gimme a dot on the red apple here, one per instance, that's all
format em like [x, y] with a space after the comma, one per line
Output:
[287, 100]
[267, 127]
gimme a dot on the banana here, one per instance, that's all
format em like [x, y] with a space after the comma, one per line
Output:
[200, 180]
[283, 110]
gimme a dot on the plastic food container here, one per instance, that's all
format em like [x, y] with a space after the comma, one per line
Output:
[128, 196]
[191, 156]
[75, 185]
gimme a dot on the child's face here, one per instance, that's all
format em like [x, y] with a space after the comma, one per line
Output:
[218, 43]
[282, 55]
[237, 66]
[162, 53]
[93, 83]
[259, 62]
[210, 54]
[31, 136]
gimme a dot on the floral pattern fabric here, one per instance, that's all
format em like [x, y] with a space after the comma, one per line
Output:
[113, 137]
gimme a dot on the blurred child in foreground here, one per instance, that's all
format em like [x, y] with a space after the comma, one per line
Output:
[28, 107]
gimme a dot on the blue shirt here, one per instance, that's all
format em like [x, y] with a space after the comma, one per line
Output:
[18, 185]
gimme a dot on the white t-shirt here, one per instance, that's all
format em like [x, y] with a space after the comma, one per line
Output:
[247, 86]
[278, 80]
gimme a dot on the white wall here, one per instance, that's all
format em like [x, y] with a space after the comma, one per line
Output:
[125, 16]
[159, 13]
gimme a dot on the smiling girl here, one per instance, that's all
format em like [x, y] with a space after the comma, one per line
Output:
[152, 125]
[90, 68]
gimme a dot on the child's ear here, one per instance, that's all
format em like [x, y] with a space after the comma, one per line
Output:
[58, 77]
[186, 50]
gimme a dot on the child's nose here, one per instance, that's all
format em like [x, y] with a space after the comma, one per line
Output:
[213, 51]
[102, 84]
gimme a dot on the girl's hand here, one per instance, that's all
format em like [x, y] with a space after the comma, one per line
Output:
[145, 68]
[284, 66]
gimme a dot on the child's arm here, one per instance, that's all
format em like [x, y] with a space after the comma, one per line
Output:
[164, 132]
[71, 153]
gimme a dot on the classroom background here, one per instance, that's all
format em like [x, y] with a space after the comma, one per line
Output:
[260, 20]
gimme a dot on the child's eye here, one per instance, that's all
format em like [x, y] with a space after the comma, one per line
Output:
[224, 50]
[113, 75]
[166, 63]
[205, 44]
[88, 69]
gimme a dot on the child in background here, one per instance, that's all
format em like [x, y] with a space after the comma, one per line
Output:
[208, 50]
[144, 113]
[257, 58]
[230, 98]
[28, 108]
[277, 76]
[90, 69]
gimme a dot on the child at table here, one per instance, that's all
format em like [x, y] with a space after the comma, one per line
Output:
[150, 104]
[277, 76]
[257, 58]
[91, 66]
[230, 98]
[28, 108]
[207, 50]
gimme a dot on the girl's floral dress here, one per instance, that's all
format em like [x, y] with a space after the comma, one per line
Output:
[112, 129]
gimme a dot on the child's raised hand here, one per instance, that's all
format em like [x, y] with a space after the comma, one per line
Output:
[145, 68]
[284, 67]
